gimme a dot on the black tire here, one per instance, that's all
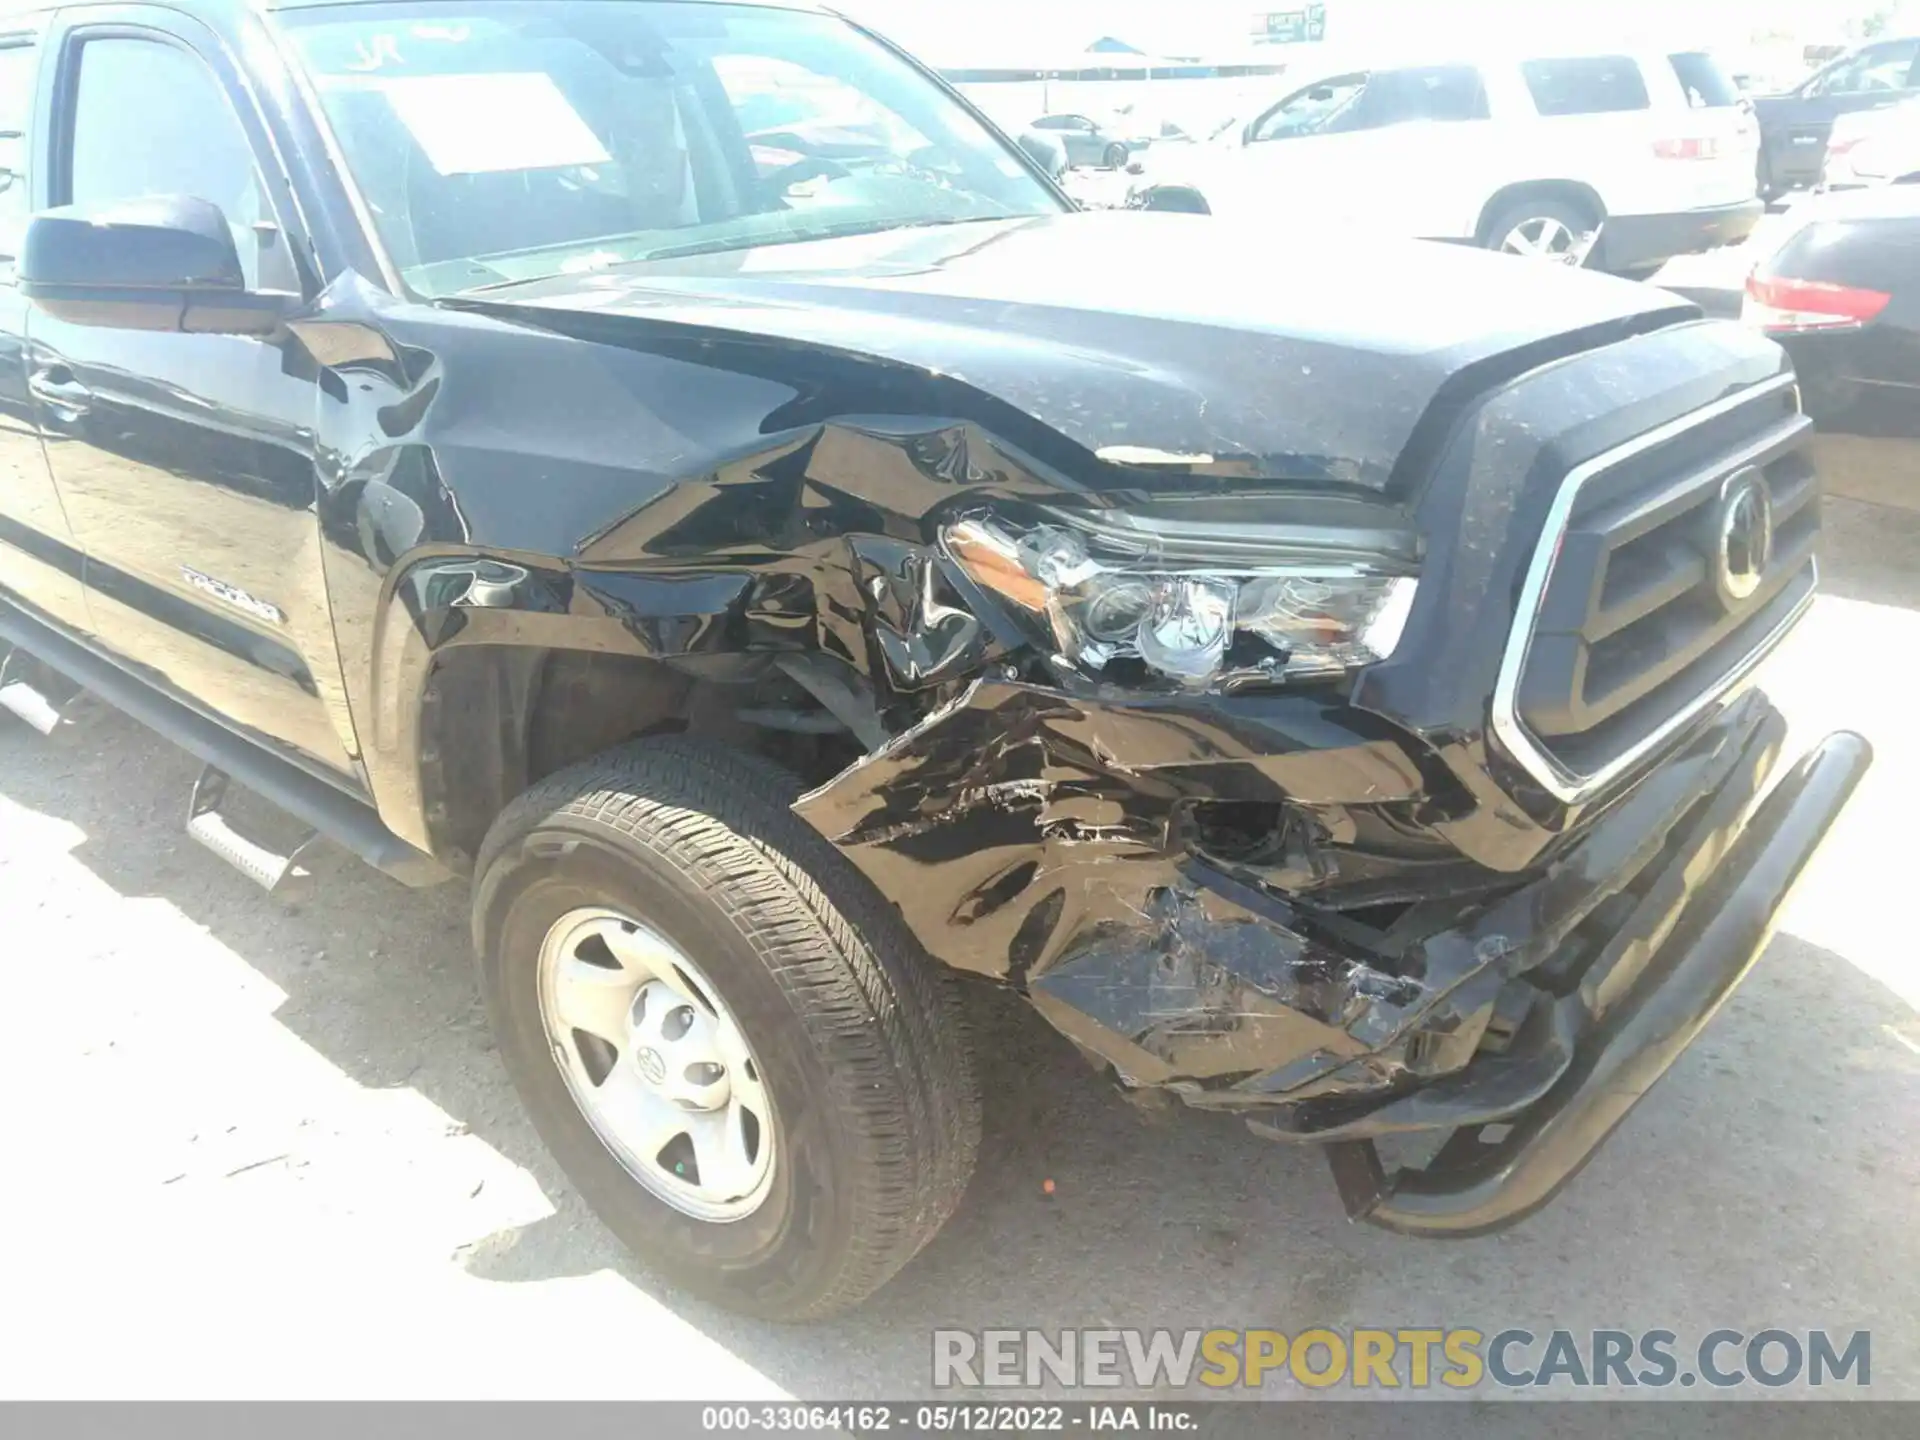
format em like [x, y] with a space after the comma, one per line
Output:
[859, 1034]
[1116, 156]
[1580, 219]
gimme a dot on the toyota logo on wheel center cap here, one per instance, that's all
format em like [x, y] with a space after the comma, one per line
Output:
[1746, 534]
[652, 1068]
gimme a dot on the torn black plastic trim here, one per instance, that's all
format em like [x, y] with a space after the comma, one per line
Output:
[1040, 839]
[1473, 1188]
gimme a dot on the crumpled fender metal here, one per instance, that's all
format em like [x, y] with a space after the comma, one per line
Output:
[689, 508]
[1039, 839]
[1032, 837]
[1635, 874]
[707, 493]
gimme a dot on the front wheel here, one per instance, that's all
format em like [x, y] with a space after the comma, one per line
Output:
[728, 1041]
[1116, 157]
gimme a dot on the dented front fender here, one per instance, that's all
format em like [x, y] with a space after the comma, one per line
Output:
[1059, 844]
[1047, 841]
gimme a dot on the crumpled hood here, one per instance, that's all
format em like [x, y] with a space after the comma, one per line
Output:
[1142, 336]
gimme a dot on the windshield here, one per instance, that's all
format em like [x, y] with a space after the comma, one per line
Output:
[503, 142]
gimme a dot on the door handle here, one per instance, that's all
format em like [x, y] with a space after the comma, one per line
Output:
[55, 387]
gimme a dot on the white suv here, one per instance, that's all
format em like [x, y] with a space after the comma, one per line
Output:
[1646, 155]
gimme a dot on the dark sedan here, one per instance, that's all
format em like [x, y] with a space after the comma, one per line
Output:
[1842, 294]
[1794, 127]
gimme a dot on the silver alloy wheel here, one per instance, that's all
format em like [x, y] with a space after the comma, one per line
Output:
[1542, 237]
[657, 1064]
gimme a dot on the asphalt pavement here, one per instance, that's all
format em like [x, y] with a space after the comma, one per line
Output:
[253, 1152]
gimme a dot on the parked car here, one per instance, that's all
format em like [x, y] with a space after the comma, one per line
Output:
[1088, 141]
[1875, 147]
[1842, 293]
[780, 598]
[1795, 127]
[1647, 155]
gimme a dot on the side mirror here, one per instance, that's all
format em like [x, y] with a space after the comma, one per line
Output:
[166, 262]
[1045, 151]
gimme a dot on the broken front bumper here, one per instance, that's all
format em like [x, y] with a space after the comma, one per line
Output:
[1624, 1033]
[1049, 843]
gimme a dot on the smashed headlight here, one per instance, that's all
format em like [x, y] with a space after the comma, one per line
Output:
[1201, 605]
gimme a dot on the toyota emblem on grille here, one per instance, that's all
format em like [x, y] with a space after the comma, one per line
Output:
[1746, 533]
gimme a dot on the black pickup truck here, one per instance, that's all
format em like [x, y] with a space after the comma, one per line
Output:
[787, 569]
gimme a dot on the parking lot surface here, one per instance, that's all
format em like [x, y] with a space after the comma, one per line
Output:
[259, 1153]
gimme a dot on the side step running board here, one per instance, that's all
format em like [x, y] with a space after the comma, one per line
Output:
[259, 862]
[327, 809]
[20, 694]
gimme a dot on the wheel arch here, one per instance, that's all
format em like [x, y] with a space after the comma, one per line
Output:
[488, 671]
[494, 719]
[1577, 192]
[494, 716]
[497, 719]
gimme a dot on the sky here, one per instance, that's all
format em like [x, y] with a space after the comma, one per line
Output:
[949, 32]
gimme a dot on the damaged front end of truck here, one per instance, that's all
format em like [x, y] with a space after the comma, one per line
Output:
[1365, 831]
[1388, 770]
[1051, 844]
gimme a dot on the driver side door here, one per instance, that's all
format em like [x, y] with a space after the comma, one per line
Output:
[186, 461]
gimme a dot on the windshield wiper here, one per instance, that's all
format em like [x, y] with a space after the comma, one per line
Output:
[719, 246]
[801, 237]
